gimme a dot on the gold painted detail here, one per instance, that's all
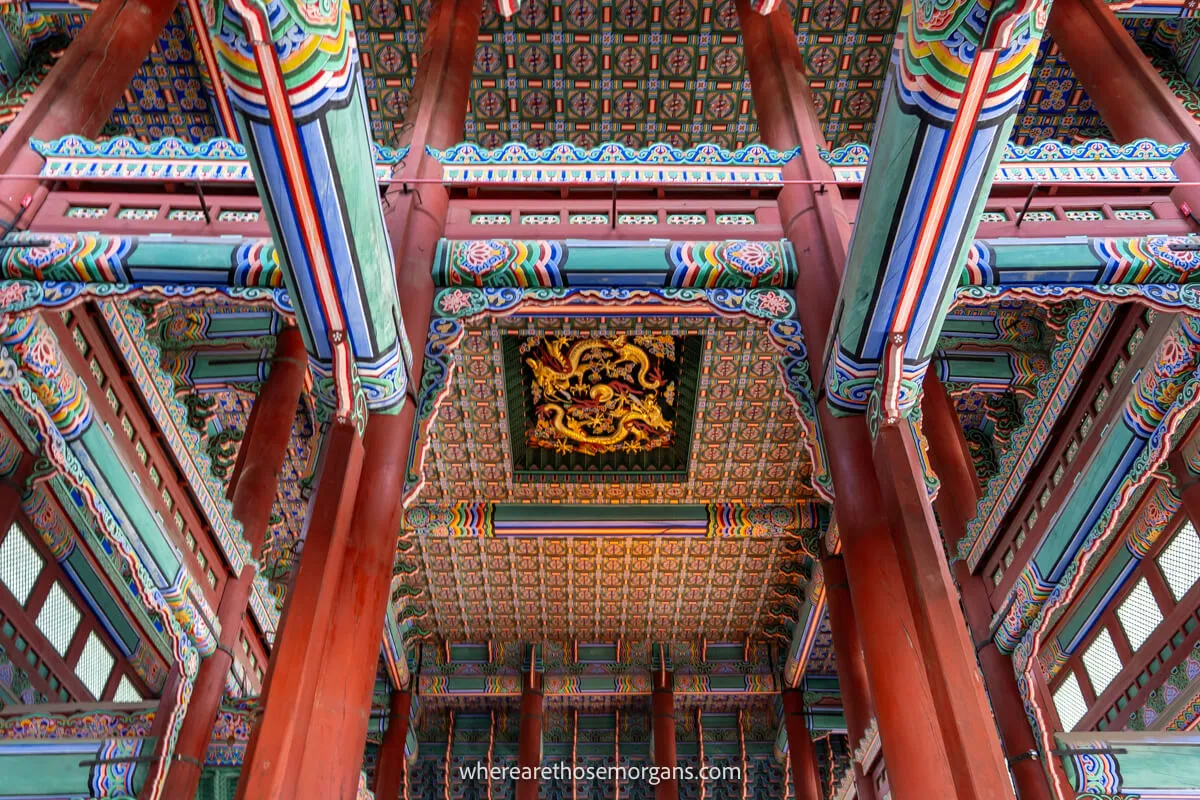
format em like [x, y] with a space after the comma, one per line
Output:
[600, 395]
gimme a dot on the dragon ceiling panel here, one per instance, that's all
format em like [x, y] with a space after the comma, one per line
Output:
[603, 589]
[634, 71]
[744, 441]
[604, 406]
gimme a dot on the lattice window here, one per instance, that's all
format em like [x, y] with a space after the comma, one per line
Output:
[95, 665]
[58, 619]
[1039, 216]
[20, 564]
[1101, 661]
[540, 219]
[137, 213]
[637, 219]
[1139, 614]
[491, 219]
[735, 219]
[186, 215]
[1068, 701]
[993, 216]
[588, 219]
[1133, 214]
[1084, 214]
[1180, 561]
[127, 692]
[237, 216]
[686, 219]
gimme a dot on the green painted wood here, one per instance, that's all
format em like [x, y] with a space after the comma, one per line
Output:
[132, 503]
[1083, 608]
[109, 607]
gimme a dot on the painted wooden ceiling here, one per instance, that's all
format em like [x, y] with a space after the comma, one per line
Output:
[634, 71]
[747, 441]
[513, 589]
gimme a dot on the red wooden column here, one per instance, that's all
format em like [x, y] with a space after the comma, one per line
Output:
[332, 755]
[390, 769]
[1132, 98]
[10, 505]
[663, 708]
[81, 90]
[312, 747]
[271, 767]
[437, 114]
[263, 450]
[956, 502]
[529, 748]
[806, 784]
[851, 670]
[815, 223]
[964, 715]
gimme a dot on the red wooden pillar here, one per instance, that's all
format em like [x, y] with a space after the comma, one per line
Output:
[663, 708]
[262, 455]
[162, 717]
[392, 764]
[437, 113]
[81, 90]
[312, 747]
[961, 703]
[816, 226]
[956, 502]
[851, 669]
[10, 505]
[263, 450]
[529, 748]
[341, 709]
[806, 784]
[1132, 98]
[270, 770]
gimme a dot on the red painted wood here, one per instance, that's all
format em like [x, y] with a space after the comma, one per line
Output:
[851, 669]
[266, 441]
[961, 703]
[341, 709]
[806, 784]
[81, 90]
[956, 501]
[271, 766]
[1043, 701]
[662, 705]
[416, 213]
[1132, 98]
[163, 714]
[10, 506]
[391, 764]
[183, 778]
[914, 745]
[529, 746]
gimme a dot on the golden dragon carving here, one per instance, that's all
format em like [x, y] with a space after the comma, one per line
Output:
[595, 414]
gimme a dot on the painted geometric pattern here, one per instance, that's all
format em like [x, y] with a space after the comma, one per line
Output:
[168, 96]
[633, 71]
[820, 658]
[1056, 105]
[534, 589]
[747, 443]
